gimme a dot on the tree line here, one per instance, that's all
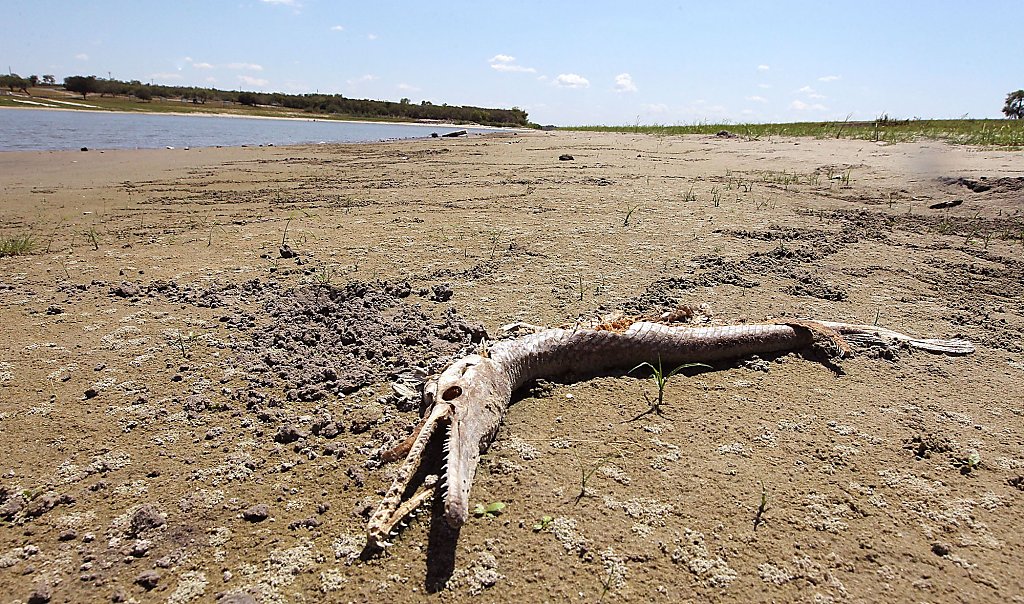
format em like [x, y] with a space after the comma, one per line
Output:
[312, 103]
[13, 81]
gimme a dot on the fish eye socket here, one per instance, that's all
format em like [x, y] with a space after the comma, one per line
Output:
[451, 393]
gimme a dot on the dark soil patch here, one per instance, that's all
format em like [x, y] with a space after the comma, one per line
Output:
[923, 445]
[987, 185]
[322, 340]
[875, 225]
[812, 286]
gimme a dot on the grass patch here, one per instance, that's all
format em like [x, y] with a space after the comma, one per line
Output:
[990, 132]
[18, 245]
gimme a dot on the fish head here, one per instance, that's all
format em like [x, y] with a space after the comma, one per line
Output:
[477, 392]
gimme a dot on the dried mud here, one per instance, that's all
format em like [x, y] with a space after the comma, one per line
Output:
[209, 350]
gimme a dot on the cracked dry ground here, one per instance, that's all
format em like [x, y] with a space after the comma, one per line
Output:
[190, 411]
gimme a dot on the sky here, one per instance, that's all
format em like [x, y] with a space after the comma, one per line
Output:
[565, 62]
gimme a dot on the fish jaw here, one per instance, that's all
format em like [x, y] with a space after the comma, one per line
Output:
[478, 391]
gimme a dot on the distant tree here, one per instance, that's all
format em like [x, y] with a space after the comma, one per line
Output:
[83, 85]
[33, 80]
[142, 93]
[1014, 107]
[247, 98]
[14, 81]
[49, 80]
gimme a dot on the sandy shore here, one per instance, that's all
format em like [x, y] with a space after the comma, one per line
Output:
[189, 412]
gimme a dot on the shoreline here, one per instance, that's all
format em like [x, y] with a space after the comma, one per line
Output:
[320, 117]
[189, 134]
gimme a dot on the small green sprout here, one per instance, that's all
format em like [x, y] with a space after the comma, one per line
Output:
[661, 378]
[761, 508]
[491, 509]
[543, 523]
[968, 464]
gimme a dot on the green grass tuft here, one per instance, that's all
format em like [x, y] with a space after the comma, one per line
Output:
[18, 245]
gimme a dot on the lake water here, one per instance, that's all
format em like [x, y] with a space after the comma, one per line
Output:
[49, 130]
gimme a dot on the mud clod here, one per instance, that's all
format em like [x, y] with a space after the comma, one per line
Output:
[288, 434]
[40, 595]
[923, 445]
[442, 292]
[257, 513]
[148, 579]
[146, 518]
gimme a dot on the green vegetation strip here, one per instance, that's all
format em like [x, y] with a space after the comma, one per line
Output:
[994, 132]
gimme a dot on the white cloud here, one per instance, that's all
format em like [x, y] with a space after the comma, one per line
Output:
[369, 77]
[282, 2]
[763, 67]
[338, 28]
[757, 99]
[802, 106]
[371, 36]
[202, 66]
[655, 107]
[508, 67]
[407, 88]
[165, 76]
[251, 81]
[811, 93]
[82, 56]
[571, 80]
[211, 80]
[828, 78]
[765, 86]
[507, 63]
[624, 83]
[245, 66]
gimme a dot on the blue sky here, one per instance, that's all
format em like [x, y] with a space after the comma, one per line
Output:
[564, 62]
